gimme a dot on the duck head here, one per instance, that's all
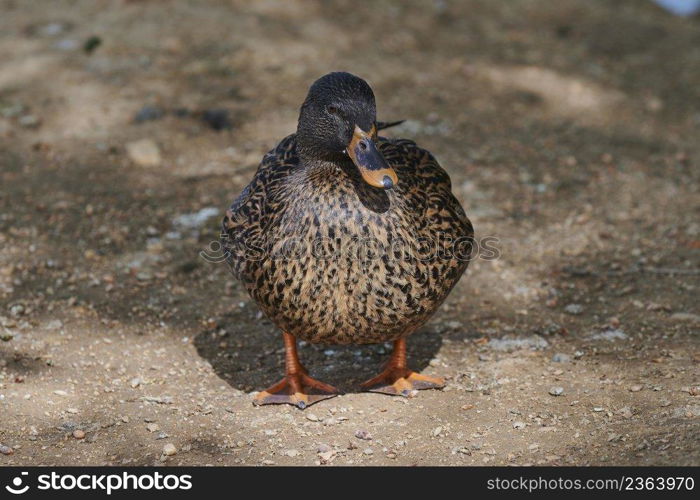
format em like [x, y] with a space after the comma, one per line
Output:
[337, 121]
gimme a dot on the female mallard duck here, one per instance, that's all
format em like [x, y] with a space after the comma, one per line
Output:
[344, 237]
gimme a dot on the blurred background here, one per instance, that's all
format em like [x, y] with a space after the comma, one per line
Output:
[570, 131]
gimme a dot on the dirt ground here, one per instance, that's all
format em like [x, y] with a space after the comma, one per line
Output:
[570, 130]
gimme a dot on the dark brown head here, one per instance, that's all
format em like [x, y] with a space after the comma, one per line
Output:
[338, 119]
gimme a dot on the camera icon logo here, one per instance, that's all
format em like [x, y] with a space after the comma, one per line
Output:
[17, 483]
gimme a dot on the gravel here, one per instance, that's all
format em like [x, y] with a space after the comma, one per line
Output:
[364, 435]
[144, 152]
[573, 309]
[561, 358]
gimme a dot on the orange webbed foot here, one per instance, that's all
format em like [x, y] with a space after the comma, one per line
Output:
[401, 382]
[297, 389]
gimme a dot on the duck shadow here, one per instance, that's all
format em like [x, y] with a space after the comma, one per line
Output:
[249, 356]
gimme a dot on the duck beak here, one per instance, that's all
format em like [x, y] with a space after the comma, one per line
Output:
[369, 161]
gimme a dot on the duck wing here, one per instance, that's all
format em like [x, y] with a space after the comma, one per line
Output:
[245, 223]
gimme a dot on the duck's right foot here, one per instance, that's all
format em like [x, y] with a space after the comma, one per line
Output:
[296, 389]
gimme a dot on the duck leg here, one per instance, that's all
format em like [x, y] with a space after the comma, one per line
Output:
[397, 379]
[297, 387]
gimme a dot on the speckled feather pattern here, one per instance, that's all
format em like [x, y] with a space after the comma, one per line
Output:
[292, 237]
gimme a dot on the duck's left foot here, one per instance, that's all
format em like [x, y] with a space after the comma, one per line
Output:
[402, 382]
[397, 379]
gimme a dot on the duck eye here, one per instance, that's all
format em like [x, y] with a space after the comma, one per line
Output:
[333, 110]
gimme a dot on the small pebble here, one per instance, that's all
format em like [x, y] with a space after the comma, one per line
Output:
[519, 425]
[169, 450]
[148, 113]
[368, 451]
[6, 450]
[218, 119]
[364, 435]
[556, 391]
[29, 121]
[144, 152]
[78, 434]
[636, 388]
[561, 358]
[17, 310]
[573, 309]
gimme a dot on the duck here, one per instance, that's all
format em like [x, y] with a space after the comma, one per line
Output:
[346, 237]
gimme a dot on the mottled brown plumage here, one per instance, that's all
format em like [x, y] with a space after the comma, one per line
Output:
[332, 259]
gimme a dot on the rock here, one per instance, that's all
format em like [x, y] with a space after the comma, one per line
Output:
[437, 431]
[161, 400]
[6, 450]
[625, 412]
[148, 113]
[636, 388]
[144, 152]
[51, 29]
[312, 417]
[197, 219]
[29, 121]
[689, 411]
[368, 451]
[218, 119]
[67, 44]
[17, 310]
[561, 358]
[152, 427]
[695, 318]
[324, 448]
[91, 44]
[508, 344]
[519, 425]
[364, 435]
[169, 450]
[556, 391]
[54, 324]
[574, 309]
[79, 434]
[610, 334]
[291, 453]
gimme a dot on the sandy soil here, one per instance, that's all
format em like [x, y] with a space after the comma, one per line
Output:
[570, 130]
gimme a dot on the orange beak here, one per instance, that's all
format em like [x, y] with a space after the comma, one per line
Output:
[369, 161]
